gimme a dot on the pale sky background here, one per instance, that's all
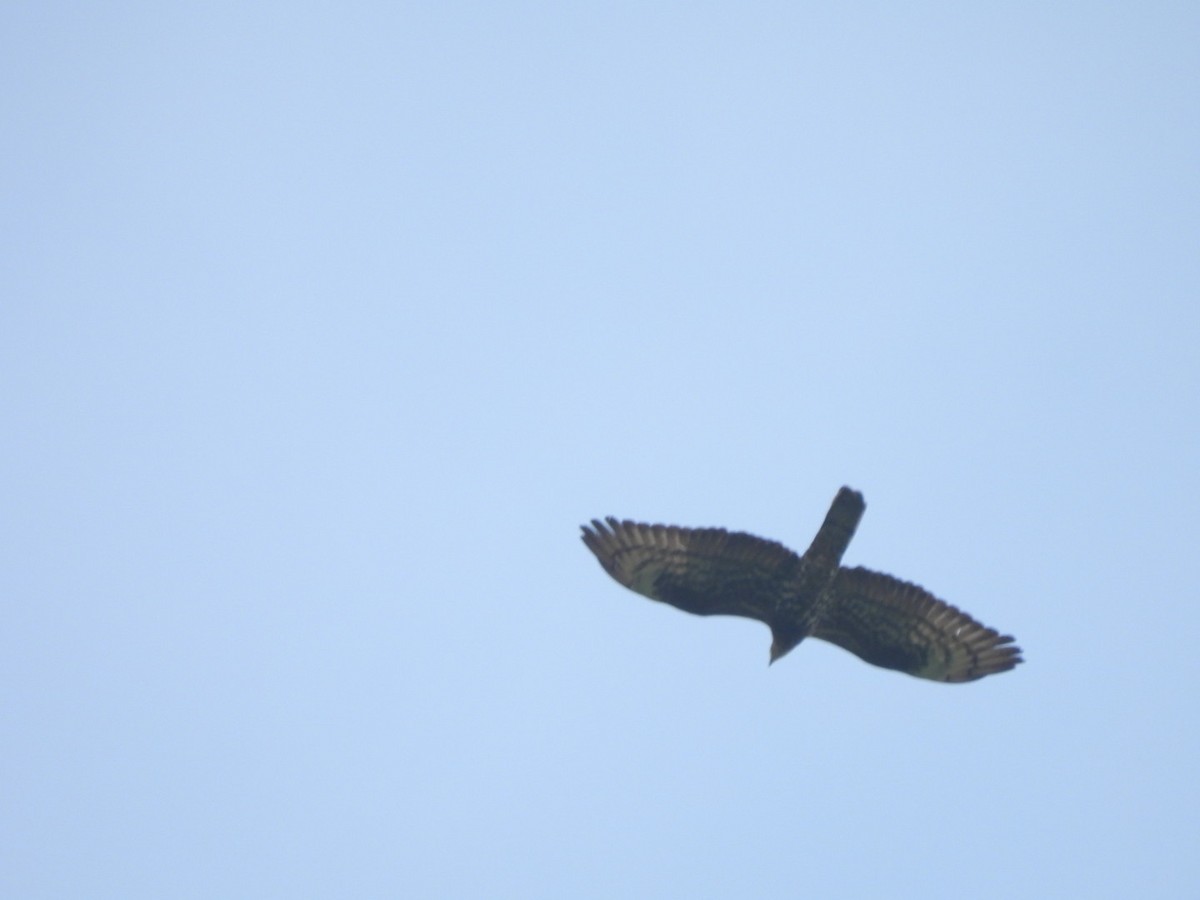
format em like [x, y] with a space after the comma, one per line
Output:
[324, 326]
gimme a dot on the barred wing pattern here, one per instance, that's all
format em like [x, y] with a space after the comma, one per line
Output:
[705, 571]
[882, 620]
[897, 625]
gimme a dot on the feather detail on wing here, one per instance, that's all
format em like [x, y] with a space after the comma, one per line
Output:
[898, 625]
[706, 571]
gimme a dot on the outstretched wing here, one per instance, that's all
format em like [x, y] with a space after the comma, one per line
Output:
[897, 625]
[706, 571]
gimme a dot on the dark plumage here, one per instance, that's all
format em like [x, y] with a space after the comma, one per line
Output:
[885, 621]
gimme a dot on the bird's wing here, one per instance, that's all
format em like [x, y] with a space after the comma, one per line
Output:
[706, 571]
[900, 626]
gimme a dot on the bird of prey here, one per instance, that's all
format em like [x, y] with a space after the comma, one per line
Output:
[885, 621]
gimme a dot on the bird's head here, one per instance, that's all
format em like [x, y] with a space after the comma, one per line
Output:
[783, 642]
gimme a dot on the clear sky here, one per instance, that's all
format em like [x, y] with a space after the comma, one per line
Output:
[324, 326]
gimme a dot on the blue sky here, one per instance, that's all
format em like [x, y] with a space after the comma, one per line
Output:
[326, 325]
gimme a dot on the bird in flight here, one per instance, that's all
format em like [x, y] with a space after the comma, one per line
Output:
[881, 619]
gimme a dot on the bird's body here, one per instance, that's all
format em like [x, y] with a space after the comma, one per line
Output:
[885, 621]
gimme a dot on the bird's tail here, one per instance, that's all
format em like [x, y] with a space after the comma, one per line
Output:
[838, 528]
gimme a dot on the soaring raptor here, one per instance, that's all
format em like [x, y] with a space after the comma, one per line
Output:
[885, 621]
